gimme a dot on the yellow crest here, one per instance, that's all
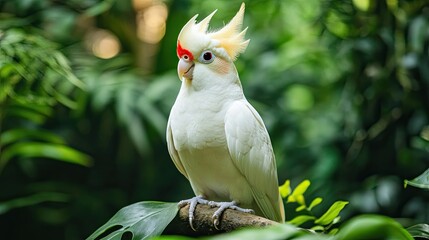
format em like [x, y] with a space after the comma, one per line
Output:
[195, 37]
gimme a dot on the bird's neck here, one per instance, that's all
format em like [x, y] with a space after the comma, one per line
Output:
[227, 88]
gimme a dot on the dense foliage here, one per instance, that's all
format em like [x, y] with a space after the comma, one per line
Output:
[341, 85]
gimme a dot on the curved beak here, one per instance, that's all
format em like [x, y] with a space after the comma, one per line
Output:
[185, 69]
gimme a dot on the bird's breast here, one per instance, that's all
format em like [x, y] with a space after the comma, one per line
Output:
[198, 124]
[198, 131]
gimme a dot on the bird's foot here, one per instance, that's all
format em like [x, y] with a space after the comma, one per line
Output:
[192, 205]
[222, 206]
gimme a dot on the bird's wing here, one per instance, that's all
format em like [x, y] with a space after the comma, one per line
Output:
[173, 152]
[251, 151]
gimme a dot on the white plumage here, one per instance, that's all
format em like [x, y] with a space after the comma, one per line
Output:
[216, 139]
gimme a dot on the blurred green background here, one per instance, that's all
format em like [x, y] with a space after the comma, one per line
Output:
[86, 87]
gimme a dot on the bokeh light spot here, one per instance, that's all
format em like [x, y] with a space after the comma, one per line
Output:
[103, 44]
[299, 97]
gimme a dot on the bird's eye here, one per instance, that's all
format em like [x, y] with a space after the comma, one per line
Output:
[186, 57]
[207, 57]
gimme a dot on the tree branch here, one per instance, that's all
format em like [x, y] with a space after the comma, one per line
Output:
[203, 222]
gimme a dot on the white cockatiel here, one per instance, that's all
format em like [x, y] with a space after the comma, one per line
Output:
[216, 139]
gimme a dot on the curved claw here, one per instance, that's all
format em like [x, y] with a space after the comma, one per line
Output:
[192, 206]
[191, 219]
[216, 222]
[222, 207]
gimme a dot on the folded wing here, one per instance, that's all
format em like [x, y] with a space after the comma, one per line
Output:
[250, 148]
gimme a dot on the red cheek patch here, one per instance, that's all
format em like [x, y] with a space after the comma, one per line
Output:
[181, 52]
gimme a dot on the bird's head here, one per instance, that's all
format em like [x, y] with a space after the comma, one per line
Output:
[207, 54]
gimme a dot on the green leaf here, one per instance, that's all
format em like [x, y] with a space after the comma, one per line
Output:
[300, 208]
[419, 231]
[44, 150]
[298, 220]
[137, 132]
[33, 113]
[102, 95]
[373, 227]
[280, 231]
[336, 220]
[318, 228]
[333, 231]
[301, 188]
[148, 110]
[421, 181]
[285, 189]
[332, 213]
[140, 220]
[166, 237]
[363, 5]
[315, 202]
[274, 232]
[32, 200]
[298, 193]
[36, 75]
[18, 134]
[99, 8]
[125, 103]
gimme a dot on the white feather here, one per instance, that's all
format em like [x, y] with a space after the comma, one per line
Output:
[216, 139]
[219, 142]
[251, 151]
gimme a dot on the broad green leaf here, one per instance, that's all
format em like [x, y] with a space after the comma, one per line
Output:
[419, 231]
[372, 227]
[421, 181]
[298, 220]
[315, 202]
[312, 236]
[140, 220]
[44, 150]
[167, 237]
[285, 189]
[279, 231]
[32, 200]
[332, 213]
